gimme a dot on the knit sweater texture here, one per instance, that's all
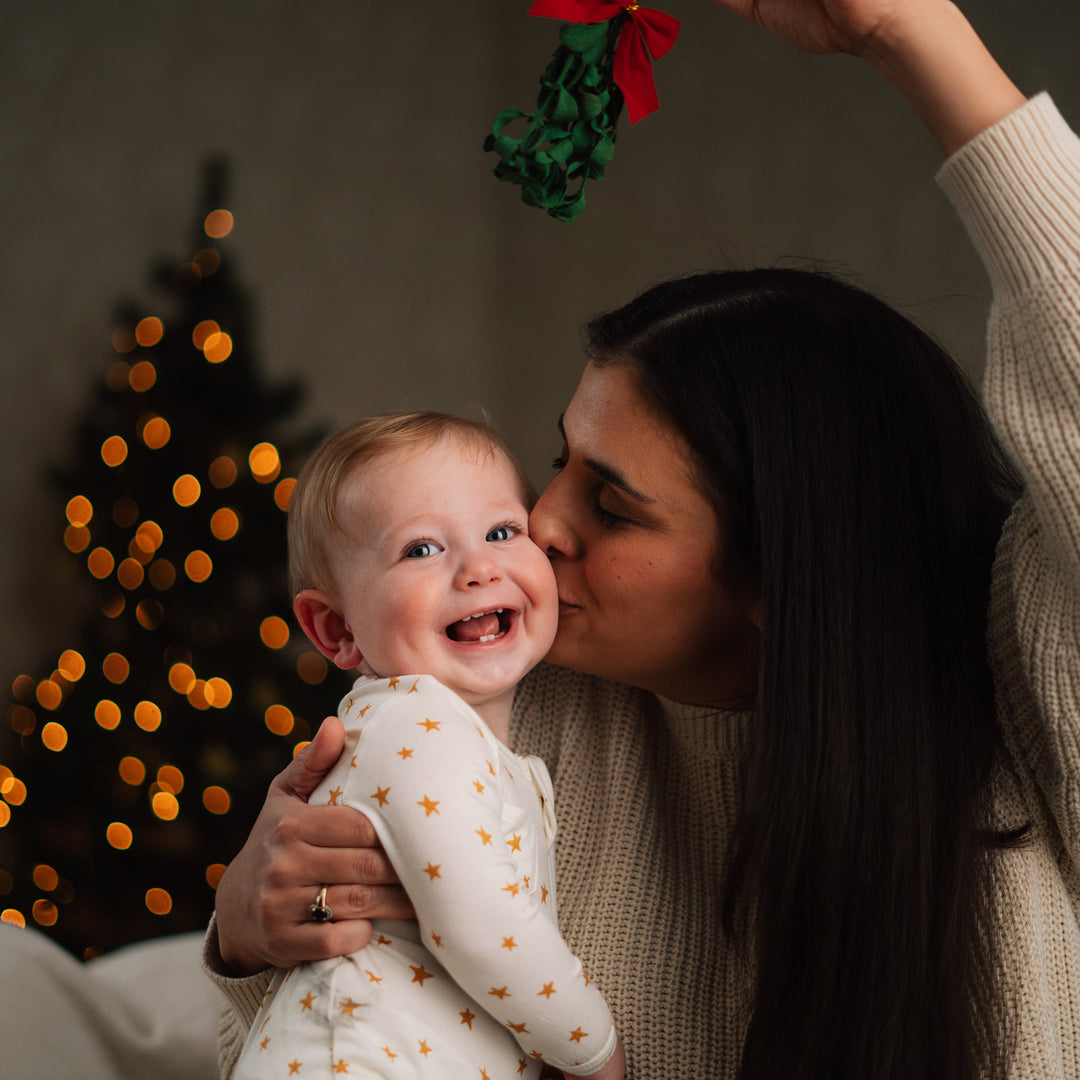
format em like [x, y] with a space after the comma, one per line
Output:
[646, 790]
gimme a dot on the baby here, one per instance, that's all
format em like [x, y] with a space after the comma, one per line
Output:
[411, 563]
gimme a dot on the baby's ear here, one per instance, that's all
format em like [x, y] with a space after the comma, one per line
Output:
[325, 625]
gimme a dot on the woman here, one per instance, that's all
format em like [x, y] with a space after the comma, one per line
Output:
[817, 773]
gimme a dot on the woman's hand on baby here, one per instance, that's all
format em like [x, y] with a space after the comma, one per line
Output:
[292, 851]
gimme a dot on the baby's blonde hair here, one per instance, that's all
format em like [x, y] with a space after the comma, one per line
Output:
[339, 457]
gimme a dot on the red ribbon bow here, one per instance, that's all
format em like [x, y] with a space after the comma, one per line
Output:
[646, 32]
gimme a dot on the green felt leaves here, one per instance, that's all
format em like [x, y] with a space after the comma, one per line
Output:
[570, 138]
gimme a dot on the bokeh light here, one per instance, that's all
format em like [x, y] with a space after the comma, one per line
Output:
[123, 339]
[264, 462]
[283, 492]
[76, 538]
[274, 632]
[225, 523]
[218, 347]
[198, 566]
[148, 716]
[162, 574]
[156, 432]
[171, 779]
[49, 695]
[115, 667]
[130, 574]
[165, 805]
[54, 736]
[186, 490]
[158, 901]
[45, 912]
[148, 331]
[22, 720]
[149, 536]
[100, 562]
[142, 376]
[221, 690]
[79, 510]
[119, 835]
[181, 678]
[107, 714]
[132, 771]
[279, 719]
[214, 873]
[311, 667]
[45, 877]
[72, 665]
[222, 471]
[112, 605]
[149, 614]
[13, 917]
[13, 791]
[114, 451]
[218, 223]
[216, 799]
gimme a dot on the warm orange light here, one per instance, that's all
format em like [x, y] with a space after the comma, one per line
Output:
[45, 877]
[222, 692]
[186, 490]
[123, 338]
[274, 632]
[148, 331]
[114, 451]
[113, 605]
[279, 719]
[130, 574]
[214, 873]
[203, 331]
[100, 562]
[156, 432]
[142, 376]
[311, 667]
[170, 777]
[79, 510]
[14, 791]
[45, 912]
[119, 835]
[148, 716]
[218, 223]
[222, 471]
[158, 901]
[22, 720]
[115, 667]
[132, 771]
[300, 746]
[49, 695]
[181, 678]
[149, 614]
[24, 688]
[13, 917]
[54, 736]
[72, 666]
[162, 574]
[165, 806]
[265, 462]
[5, 816]
[149, 536]
[200, 696]
[224, 524]
[283, 492]
[198, 566]
[218, 347]
[216, 799]
[76, 538]
[107, 714]
[6, 778]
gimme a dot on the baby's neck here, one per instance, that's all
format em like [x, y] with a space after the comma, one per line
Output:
[496, 714]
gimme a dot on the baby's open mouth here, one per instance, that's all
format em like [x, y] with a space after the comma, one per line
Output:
[482, 627]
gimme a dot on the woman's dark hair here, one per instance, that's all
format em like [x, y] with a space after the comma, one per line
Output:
[859, 487]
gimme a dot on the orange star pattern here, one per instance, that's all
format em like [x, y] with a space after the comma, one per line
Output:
[491, 769]
[521, 1029]
[484, 1075]
[352, 762]
[523, 1064]
[437, 939]
[404, 753]
[428, 725]
[306, 1001]
[515, 843]
[420, 973]
[467, 1018]
[577, 1035]
[432, 871]
[334, 796]
[484, 836]
[499, 991]
[294, 1067]
[363, 711]
[424, 1048]
[509, 943]
[382, 939]
[349, 1006]
[548, 990]
[511, 887]
[372, 977]
[479, 787]
[388, 1052]
[265, 1043]
[394, 680]
[543, 894]
[525, 878]
[430, 805]
[341, 1066]
[381, 794]
[412, 689]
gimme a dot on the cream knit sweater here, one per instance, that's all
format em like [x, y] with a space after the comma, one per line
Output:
[646, 790]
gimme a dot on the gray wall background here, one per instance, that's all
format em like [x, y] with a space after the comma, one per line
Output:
[388, 268]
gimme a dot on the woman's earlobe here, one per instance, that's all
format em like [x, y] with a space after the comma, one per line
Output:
[326, 628]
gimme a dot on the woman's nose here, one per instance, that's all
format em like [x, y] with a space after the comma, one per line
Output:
[550, 526]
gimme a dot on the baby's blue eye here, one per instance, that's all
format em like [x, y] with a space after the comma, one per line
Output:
[500, 532]
[422, 550]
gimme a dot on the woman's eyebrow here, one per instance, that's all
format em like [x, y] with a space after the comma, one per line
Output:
[609, 473]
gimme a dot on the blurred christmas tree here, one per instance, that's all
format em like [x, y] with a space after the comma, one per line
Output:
[133, 765]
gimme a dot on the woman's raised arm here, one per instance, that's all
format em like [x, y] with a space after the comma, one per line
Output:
[926, 48]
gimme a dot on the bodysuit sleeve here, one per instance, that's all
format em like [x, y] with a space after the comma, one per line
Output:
[426, 774]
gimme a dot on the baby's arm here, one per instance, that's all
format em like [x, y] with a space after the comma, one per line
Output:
[425, 774]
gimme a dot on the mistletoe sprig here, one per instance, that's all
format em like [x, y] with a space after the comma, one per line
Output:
[602, 61]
